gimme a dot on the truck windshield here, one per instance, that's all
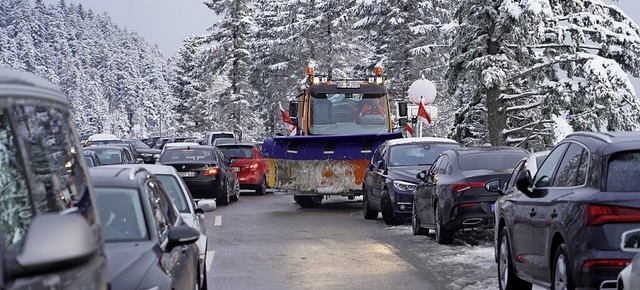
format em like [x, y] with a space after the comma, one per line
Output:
[339, 114]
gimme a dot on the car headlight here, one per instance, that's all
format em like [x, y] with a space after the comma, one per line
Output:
[156, 156]
[404, 186]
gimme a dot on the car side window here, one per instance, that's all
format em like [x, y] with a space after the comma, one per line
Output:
[377, 155]
[443, 165]
[159, 219]
[165, 203]
[569, 168]
[511, 182]
[548, 167]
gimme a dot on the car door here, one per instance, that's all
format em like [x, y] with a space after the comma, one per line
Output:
[514, 207]
[225, 166]
[425, 196]
[180, 261]
[554, 210]
[371, 169]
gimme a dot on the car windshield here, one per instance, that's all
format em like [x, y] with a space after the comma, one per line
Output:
[237, 151]
[138, 144]
[339, 114]
[417, 154]
[108, 156]
[623, 172]
[170, 183]
[121, 214]
[187, 155]
[105, 142]
[495, 160]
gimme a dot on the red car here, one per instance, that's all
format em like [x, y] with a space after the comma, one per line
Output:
[251, 168]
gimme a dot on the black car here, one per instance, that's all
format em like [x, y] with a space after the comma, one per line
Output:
[49, 220]
[148, 245]
[159, 144]
[562, 227]
[146, 153]
[452, 195]
[133, 152]
[205, 171]
[390, 178]
[91, 158]
[112, 154]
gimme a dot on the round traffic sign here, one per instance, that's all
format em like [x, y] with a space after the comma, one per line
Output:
[422, 90]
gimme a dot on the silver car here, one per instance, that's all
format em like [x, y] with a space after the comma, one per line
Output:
[192, 214]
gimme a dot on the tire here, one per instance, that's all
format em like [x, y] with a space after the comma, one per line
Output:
[236, 191]
[224, 198]
[309, 201]
[443, 236]
[415, 224]
[507, 279]
[387, 210]
[261, 188]
[561, 276]
[369, 214]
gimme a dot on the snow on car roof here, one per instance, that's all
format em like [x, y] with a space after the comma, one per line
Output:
[420, 140]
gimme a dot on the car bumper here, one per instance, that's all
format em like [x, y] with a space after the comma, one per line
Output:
[476, 216]
[594, 277]
[403, 204]
[204, 188]
[249, 180]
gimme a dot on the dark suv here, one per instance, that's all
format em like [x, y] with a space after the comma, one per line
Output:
[562, 227]
[48, 222]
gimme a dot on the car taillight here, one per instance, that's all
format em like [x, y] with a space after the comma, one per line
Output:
[598, 214]
[254, 166]
[458, 187]
[211, 171]
[606, 263]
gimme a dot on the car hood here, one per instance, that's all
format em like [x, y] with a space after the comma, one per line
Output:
[405, 173]
[128, 262]
[148, 151]
[190, 220]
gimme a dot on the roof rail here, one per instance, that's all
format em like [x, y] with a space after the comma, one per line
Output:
[134, 170]
[600, 136]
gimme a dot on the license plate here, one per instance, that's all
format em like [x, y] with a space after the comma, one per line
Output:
[236, 169]
[493, 207]
[187, 174]
[347, 85]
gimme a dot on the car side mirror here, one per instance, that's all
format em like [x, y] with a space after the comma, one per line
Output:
[524, 182]
[380, 165]
[293, 108]
[422, 175]
[402, 121]
[630, 241]
[493, 185]
[182, 235]
[207, 205]
[69, 242]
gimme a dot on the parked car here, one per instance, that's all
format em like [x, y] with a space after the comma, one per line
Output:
[205, 171]
[452, 195]
[563, 227]
[251, 168]
[160, 143]
[629, 277]
[192, 213]
[151, 141]
[146, 153]
[142, 228]
[91, 158]
[182, 139]
[390, 177]
[181, 144]
[109, 155]
[132, 151]
[49, 220]
[211, 136]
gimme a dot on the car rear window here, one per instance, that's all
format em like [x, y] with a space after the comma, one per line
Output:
[623, 172]
[495, 160]
[237, 151]
[417, 154]
[109, 156]
[188, 155]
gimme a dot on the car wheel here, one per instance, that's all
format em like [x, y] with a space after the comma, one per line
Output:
[507, 279]
[443, 236]
[387, 210]
[369, 214]
[261, 188]
[236, 190]
[224, 199]
[309, 201]
[415, 224]
[561, 272]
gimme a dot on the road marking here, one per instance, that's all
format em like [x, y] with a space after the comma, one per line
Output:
[209, 259]
[218, 221]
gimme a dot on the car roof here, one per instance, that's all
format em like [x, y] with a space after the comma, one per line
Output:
[196, 146]
[421, 140]
[153, 168]
[114, 176]
[103, 137]
[237, 144]
[104, 147]
[480, 149]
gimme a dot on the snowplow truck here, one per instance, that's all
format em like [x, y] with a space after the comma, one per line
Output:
[339, 124]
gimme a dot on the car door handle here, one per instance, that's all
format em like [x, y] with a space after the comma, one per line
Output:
[532, 213]
[554, 214]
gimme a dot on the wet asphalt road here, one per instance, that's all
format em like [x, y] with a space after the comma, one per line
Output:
[269, 242]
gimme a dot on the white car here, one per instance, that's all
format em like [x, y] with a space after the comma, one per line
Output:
[103, 139]
[192, 214]
[629, 277]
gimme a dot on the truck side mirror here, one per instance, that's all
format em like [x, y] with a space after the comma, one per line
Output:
[402, 122]
[293, 108]
[402, 110]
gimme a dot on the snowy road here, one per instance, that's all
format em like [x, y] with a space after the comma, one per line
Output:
[268, 242]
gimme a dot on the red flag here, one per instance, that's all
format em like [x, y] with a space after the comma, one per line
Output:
[288, 123]
[423, 115]
[409, 129]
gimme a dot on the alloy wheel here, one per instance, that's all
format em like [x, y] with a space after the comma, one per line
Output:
[503, 261]
[560, 277]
